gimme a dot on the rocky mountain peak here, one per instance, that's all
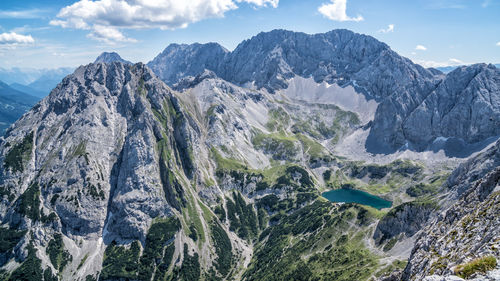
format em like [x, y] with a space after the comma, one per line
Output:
[270, 58]
[100, 123]
[463, 109]
[108, 57]
[181, 60]
[400, 87]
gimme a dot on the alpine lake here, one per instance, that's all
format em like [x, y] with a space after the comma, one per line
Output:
[347, 195]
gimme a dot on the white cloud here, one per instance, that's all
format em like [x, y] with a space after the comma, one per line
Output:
[336, 10]
[390, 28]
[261, 3]
[498, 44]
[455, 61]
[134, 14]
[14, 38]
[27, 28]
[420, 48]
[109, 35]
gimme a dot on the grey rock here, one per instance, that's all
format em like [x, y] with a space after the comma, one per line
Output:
[466, 230]
[95, 148]
[109, 57]
[465, 105]
[407, 218]
[417, 106]
[442, 278]
[178, 61]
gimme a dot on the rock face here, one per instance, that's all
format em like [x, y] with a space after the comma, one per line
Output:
[465, 106]
[90, 151]
[468, 229]
[407, 219]
[80, 123]
[179, 61]
[109, 57]
[269, 59]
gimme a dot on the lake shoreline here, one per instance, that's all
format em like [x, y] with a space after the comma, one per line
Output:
[351, 195]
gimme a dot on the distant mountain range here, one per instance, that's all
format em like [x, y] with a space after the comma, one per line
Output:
[108, 57]
[13, 104]
[39, 82]
[447, 69]
[28, 89]
[36, 82]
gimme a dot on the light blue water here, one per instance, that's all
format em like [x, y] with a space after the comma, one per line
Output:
[356, 196]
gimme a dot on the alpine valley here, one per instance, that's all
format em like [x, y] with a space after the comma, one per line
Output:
[209, 164]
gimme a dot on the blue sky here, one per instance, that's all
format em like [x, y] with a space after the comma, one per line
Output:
[50, 33]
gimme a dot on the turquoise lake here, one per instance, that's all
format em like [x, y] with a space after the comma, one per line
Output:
[356, 196]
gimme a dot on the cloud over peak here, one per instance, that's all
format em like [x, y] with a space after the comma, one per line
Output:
[390, 28]
[420, 48]
[336, 10]
[135, 14]
[109, 35]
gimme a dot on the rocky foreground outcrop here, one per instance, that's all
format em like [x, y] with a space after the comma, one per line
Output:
[466, 231]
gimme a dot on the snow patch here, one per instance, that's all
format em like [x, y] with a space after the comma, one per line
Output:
[440, 139]
[306, 89]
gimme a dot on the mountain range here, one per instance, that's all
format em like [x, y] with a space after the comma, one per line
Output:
[209, 164]
[108, 57]
[271, 60]
[13, 104]
[447, 69]
[35, 82]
